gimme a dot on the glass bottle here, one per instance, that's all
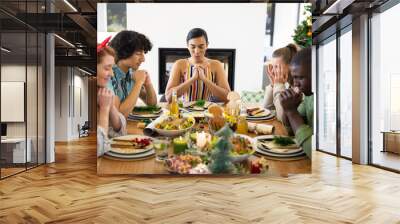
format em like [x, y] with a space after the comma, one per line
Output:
[173, 106]
[242, 126]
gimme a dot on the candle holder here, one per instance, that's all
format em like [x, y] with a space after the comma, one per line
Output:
[180, 145]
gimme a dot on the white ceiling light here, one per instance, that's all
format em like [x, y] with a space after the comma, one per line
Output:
[5, 50]
[86, 72]
[70, 5]
[64, 40]
[338, 6]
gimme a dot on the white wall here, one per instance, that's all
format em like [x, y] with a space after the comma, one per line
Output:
[14, 73]
[33, 127]
[285, 24]
[68, 82]
[239, 26]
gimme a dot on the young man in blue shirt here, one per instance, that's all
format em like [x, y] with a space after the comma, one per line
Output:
[129, 83]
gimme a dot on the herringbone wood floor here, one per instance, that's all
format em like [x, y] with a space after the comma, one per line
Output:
[69, 191]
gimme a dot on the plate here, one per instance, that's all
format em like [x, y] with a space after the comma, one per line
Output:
[265, 113]
[279, 151]
[142, 116]
[146, 110]
[271, 148]
[140, 156]
[255, 118]
[123, 145]
[195, 114]
[265, 153]
[190, 106]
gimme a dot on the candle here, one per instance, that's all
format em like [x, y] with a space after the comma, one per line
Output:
[180, 145]
[201, 140]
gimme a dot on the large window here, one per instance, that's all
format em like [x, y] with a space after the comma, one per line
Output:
[345, 60]
[385, 89]
[327, 96]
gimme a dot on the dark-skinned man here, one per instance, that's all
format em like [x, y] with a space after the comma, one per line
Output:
[298, 103]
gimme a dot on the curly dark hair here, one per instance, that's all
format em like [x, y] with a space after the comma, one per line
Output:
[126, 42]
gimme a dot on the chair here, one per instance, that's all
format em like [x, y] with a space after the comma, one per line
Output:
[252, 96]
[84, 130]
[163, 99]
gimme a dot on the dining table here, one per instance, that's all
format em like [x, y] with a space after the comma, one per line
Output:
[149, 166]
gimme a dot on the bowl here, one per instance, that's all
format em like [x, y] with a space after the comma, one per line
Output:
[174, 133]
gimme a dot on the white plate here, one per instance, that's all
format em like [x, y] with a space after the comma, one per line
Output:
[189, 105]
[270, 116]
[127, 138]
[262, 152]
[133, 116]
[277, 152]
[194, 114]
[265, 113]
[131, 156]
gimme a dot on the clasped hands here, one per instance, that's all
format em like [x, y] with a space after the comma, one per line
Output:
[199, 73]
[142, 76]
[290, 100]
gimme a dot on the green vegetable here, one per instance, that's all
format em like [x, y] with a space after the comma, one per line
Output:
[147, 109]
[200, 103]
[283, 141]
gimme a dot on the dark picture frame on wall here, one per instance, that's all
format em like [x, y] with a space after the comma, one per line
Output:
[167, 57]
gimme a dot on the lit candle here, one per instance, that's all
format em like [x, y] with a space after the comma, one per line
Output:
[180, 145]
[201, 140]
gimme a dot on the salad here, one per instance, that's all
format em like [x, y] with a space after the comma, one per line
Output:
[241, 145]
[171, 123]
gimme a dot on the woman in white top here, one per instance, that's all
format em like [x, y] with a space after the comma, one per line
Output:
[280, 79]
[106, 111]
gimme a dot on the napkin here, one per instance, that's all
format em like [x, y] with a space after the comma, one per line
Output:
[261, 129]
[149, 129]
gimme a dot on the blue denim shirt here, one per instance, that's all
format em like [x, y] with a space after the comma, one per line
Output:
[121, 84]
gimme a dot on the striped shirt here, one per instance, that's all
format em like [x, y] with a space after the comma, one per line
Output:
[198, 90]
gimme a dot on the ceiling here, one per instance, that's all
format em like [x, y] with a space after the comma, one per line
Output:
[332, 15]
[75, 23]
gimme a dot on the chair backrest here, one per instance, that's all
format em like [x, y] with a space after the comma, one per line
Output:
[163, 99]
[252, 96]
[86, 125]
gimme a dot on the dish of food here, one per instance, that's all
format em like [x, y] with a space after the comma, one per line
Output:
[146, 110]
[258, 112]
[131, 144]
[195, 114]
[199, 105]
[182, 164]
[170, 126]
[171, 123]
[242, 145]
[138, 156]
[283, 145]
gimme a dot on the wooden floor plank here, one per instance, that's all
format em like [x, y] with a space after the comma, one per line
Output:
[69, 191]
